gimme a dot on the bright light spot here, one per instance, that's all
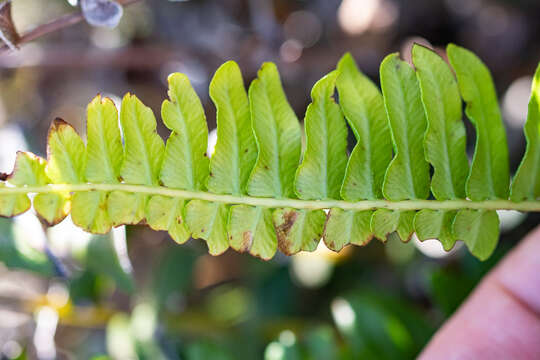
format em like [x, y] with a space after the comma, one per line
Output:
[66, 238]
[143, 321]
[343, 314]
[290, 50]
[385, 17]
[12, 349]
[195, 71]
[46, 322]
[274, 351]
[29, 236]
[303, 26]
[120, 343]
[355, 16]
[106, 38]
[433, 248]
[515, 101]
[12, 139]
[58, 295]
[73, 2]
[11, 319]
[509, 219]
[3, 114]
[287, 338]
[120, 246]
[313, 269]
[212, 140]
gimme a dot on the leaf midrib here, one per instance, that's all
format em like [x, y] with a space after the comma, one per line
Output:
[417, 204]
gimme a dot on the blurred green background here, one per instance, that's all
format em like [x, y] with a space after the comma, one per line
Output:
[135, 294]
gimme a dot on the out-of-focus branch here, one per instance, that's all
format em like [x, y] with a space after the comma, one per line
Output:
[56, 24]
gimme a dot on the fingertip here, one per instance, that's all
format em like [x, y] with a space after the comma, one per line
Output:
[519, 272]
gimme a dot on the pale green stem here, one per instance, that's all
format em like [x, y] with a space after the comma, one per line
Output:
[281, 203]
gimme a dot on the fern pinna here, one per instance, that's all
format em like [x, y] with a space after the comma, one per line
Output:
[259, 192]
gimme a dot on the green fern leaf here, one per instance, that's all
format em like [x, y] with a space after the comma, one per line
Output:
[235, 151]
[277, 132]
[104, 157]
[233, 158]
[251, 229]
[254, 196]
[479, 229]
[167, 213]
[363, 106]
[407, 176]
[143, 154]
[65, 164]
[208, 221]
[436, 224]
[345, 227]
[384, 222]
[320, 175]
[444, 143]
[489, 174]
[185, 163]
[321, 172]
[31, 170]
[298, 229]
[526, 184]
[13, 205]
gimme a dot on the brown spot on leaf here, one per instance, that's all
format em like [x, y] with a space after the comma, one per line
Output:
[57, 125]
[266, 167]
[247, 240]
[3, 176]
[202, 230]
[283, 230]
[245, 150]
[179, 220]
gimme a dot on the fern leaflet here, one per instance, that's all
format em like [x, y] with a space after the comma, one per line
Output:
[258, 192]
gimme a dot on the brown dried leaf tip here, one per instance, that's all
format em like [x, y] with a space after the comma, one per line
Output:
[282, 232]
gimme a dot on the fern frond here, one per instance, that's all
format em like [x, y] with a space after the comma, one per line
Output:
[258, 192]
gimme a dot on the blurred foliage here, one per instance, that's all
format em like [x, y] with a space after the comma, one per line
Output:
[143, 296]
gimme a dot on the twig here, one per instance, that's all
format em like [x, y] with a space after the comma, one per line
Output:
[57, 24]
